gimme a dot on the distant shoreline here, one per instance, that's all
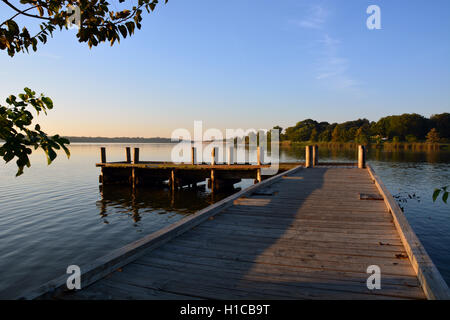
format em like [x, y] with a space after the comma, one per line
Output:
[119, 140]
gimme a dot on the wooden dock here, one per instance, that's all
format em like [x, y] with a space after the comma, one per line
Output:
[307, 233]
[178, 175]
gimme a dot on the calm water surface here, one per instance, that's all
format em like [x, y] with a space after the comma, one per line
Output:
[55, 216]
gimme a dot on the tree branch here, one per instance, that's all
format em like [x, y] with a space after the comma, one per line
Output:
[23, 12]
[17, 15]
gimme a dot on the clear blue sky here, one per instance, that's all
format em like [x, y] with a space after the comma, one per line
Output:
[244, 63]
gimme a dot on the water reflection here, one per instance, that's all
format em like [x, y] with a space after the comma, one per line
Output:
[136, 202]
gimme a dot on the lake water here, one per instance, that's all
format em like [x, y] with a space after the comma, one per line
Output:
[55, 216]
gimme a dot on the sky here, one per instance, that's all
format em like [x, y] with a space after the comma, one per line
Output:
[242, 64]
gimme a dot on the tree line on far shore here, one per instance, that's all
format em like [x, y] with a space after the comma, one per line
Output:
[397, 128]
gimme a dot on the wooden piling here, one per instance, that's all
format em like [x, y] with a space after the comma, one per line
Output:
[230, 155]
[258, 155]
[193, 155]
[361, 157]
[213, 156]
[101, 178]
[128, 153]
[103, 154]
[315, 155]
[136, 155]
[308, 157]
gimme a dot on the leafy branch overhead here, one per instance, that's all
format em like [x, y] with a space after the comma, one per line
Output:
[98, 23]
[18, 133]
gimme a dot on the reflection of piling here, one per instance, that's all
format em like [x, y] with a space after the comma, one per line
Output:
[172, 180]
[134, 178]
[259, 162]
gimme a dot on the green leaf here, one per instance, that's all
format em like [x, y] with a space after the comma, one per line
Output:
[48, 102]
[436, 194]
[51, 155]
[123, 30]
[445, 197]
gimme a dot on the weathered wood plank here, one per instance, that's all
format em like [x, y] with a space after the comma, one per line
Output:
[400, 268]
[217, 285]
[245, 267]
[331, 246]
[296, 280]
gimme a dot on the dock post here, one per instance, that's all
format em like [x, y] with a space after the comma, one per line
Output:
[128, 153]
[213, 156]
[308, 156]
[134, 179]
[136, 155]
[258, 155]
[230, 155]
[315, 155]
[103, 154]
[193, 155]
[361, 157]
[101, 178]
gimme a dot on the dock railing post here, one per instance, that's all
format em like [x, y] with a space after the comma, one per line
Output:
[315, 155]
[361, 157]
[103, 154]
[308, 156]
[136, 156]
[213, 173]
[258, 152]
[193, 155]
[103, 160]
[128, 153]
[230, 155]
[213, 156]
